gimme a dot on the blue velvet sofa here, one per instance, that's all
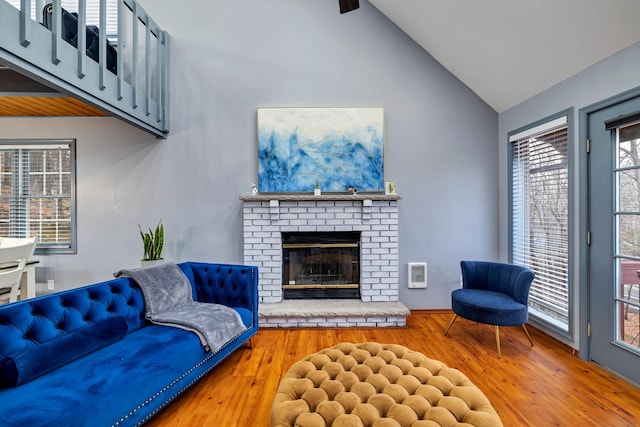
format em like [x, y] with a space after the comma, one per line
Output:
[88, 357]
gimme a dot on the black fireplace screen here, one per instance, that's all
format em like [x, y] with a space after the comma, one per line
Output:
[321, 265]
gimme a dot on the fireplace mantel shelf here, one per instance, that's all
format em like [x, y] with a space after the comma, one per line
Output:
[327, 197]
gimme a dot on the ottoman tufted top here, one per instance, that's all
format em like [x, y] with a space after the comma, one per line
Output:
[377, 385]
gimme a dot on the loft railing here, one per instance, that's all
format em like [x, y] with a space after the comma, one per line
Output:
[123, 71]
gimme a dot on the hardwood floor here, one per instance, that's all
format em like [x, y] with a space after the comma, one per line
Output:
[539, 386]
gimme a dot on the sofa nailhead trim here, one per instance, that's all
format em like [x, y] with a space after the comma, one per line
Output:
[186, 385]
[162, 391]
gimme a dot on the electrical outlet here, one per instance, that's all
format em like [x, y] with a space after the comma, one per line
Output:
[50, 285]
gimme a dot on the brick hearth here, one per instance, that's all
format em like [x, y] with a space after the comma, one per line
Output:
[265, 217]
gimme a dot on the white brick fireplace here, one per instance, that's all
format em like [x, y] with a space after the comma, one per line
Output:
[266, 217]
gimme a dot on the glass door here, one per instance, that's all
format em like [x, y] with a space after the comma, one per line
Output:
[614, 253]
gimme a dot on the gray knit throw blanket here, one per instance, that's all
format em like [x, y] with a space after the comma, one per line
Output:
[169, 302]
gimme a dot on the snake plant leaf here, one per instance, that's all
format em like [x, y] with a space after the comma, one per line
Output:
[153, 242]
[159, 241]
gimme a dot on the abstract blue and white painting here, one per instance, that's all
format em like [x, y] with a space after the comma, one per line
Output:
[338, 147]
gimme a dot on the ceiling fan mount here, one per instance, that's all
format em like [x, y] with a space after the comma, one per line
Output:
[349, 5]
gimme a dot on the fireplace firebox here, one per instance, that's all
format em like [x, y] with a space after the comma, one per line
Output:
[320, 265]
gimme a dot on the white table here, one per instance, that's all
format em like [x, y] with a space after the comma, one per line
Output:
[28, 281]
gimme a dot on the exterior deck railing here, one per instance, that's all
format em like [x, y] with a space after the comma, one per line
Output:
[137, 90]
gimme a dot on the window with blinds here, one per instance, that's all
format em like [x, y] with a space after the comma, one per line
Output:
[37, 186]
[540, 216]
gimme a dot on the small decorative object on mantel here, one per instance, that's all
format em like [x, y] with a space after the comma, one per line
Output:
[390, 187]
[254, 189]
[316, 189]
[153, 242]
[352, 190]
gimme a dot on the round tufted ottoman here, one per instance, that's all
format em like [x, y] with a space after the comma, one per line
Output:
[377, 385]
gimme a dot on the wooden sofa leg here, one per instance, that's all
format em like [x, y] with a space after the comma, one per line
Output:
[498, 341]
[455, 316]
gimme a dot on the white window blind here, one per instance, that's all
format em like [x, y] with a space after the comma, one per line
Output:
[37, 193]
[540, 216]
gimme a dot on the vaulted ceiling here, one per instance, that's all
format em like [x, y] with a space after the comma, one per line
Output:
[507, 51]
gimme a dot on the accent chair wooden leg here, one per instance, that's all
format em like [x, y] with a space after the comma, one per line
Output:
[528, 336]
[498, 341]
[453, 319]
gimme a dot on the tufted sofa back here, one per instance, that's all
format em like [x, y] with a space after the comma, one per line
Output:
[231, 285]
[26, 324]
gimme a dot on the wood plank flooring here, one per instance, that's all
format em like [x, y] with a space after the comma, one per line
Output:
[538, 386]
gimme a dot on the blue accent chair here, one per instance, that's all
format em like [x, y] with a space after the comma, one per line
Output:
[493, 293]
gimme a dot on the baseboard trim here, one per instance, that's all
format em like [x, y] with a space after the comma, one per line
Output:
[432, 311]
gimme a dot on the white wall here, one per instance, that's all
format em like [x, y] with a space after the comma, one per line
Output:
[228, 59]
[614, 75]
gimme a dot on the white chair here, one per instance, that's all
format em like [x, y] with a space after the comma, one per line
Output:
[17, 241]
[14, 255]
